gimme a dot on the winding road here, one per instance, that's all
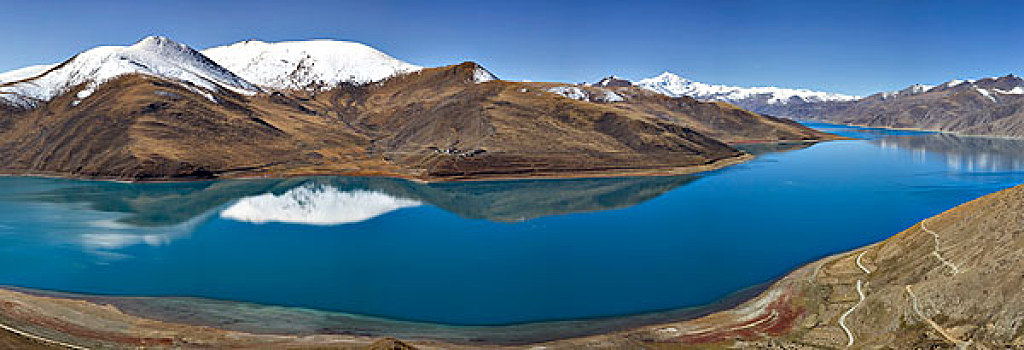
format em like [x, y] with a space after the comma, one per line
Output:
[956, 270]
[860, 265]
[860, 293]
[842, 319]
[40, 339]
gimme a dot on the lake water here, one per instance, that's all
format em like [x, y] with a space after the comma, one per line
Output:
[491, 253]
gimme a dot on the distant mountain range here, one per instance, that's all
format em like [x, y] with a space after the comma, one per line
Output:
[159, 109]
[753, 98]
[990, 106]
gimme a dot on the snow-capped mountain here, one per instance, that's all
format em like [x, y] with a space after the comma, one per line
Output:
[307, 64]
[999, 90]
[673, 85]
[991, 88]
[156, 56]
[988, 106]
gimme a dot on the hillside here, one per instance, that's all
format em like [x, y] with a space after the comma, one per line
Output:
[442, 121]
[182, 116]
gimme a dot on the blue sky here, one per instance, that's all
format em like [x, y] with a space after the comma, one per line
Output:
[856, 47]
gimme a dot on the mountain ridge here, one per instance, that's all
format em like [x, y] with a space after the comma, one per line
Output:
[990, 107]
[674, 85]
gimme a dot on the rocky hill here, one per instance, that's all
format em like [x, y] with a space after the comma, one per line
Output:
[160, 110]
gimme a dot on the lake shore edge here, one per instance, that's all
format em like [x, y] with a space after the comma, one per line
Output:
[96, 321]
[596, 173]
[914, 129]
[496, 175]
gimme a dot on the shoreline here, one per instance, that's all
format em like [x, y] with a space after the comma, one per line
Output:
[584, 174]
[578, 174]
[954, 133]
[95, 321]
[243, 317]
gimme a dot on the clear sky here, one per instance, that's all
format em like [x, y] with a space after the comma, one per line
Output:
[855, 47]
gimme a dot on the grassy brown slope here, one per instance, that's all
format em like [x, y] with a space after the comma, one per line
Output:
[138, 127]
[7, 116]
[720, 120]
[12, 341]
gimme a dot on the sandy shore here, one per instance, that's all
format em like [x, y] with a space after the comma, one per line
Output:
[74, 321]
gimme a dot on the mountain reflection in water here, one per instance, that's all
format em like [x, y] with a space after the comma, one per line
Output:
[963, 153]
[124, 214]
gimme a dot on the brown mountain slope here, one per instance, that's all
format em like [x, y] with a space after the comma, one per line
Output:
[10, 340]
[433, 124]
[139, 127]
[720, 120]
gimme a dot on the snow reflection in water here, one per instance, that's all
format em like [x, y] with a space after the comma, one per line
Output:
[316, 205]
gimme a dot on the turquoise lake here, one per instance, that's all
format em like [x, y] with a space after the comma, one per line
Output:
[491, 253]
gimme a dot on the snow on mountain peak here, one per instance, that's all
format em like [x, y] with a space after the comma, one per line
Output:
[307, 64]
[155, 56]
[674, 85]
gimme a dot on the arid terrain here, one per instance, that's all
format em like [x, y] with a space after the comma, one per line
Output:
[433, 124]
